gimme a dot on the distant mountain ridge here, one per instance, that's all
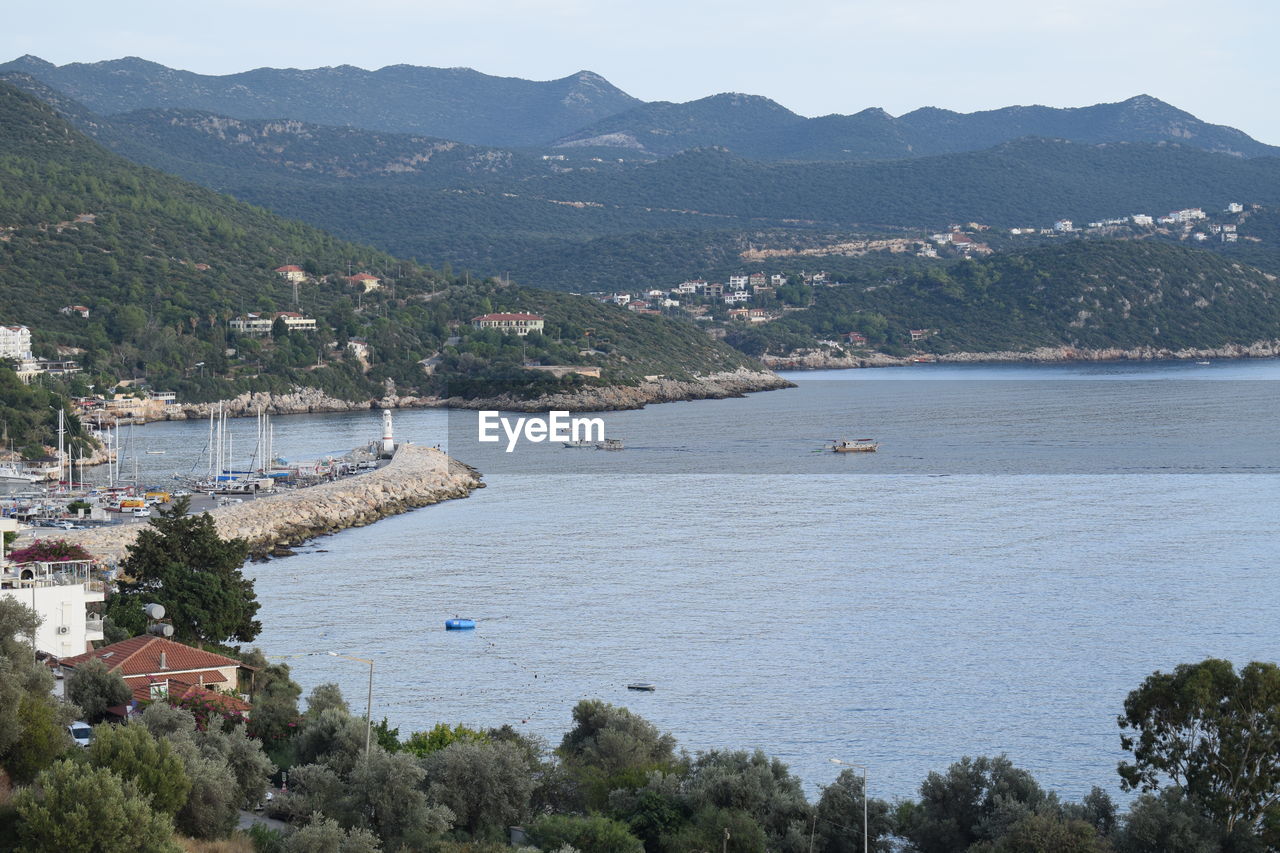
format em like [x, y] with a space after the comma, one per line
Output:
[454, 103]
[762, 129]
[584, 110]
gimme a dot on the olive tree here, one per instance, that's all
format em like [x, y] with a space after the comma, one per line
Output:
[95, 689]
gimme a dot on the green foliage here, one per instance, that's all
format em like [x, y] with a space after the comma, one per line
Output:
[1040, 833]
[181, 562]
[212, 804]
[275, 700]
[586, 834]
[1211, 732]
[323, 835]
[839, 813]
[487, 786]
[978, 799]
[44, 738]
[730, 830]
[324, 697]
[30, 413]
[265, 839]
[135, 755]
[422, 744]
[95, 689]
[1167, 823]
[75, 807]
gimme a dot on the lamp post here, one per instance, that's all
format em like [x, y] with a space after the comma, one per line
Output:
[866, 830]
[368, 711]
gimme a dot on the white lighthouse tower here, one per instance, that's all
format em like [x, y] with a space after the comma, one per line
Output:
[388, 442]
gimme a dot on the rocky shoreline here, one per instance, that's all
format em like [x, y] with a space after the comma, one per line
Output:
[606, 398]
[1040, 355]
[417, 476]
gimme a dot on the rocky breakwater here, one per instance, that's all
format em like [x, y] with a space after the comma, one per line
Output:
[417, 476]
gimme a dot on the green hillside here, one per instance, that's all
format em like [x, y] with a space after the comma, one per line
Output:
[1084, 294]
[163, 265]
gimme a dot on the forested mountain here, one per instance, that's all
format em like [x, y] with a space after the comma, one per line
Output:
[584, 109]
[760, 128]
[454, 103]
[162, 265]
[1084, 295]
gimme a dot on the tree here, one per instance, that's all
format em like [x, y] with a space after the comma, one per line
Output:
[212, 804]
[422, 744]
[1167, 823]
[730, 830]
[324, 835]
[31, 721]
[1047, 833]
[275, 700]
[137, 756]
[750, 782]
[610, 748]
[44, 738]
[323, 697]
[979, 799]
[181, 562]
[50, 551]
[839, 813]
[486, 786]
[587, 834]
[95, 689]
[74, 807]
[1214, 734]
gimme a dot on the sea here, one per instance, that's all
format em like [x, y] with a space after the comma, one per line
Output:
[1027, 545]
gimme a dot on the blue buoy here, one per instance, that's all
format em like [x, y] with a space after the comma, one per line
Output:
[459, 624]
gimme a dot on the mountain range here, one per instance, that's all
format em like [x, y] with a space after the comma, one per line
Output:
[584, 110]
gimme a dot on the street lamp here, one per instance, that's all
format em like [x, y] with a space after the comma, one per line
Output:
[866, 830]
[368, 711]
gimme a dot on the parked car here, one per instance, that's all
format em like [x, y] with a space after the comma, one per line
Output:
[142, 512]
[81, 732]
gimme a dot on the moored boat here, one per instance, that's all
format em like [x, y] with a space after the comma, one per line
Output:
[456, 624]
[581, 442]
[610, 444]
[858, 445]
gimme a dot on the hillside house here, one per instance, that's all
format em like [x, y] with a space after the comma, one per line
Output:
[157, 668]
[517, 324]
[15, 343]
[291, 272]
[74, 309]
[260, 324]
[756, 279]
[366, 281]
[856, 339]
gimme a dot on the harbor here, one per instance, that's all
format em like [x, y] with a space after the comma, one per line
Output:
[268, 501]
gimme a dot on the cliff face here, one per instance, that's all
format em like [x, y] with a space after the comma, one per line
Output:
[416, 477]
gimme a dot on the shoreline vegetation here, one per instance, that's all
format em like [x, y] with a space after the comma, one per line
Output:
[417, 476]
[1039, 355]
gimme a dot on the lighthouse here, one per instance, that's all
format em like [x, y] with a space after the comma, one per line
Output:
[388, 443]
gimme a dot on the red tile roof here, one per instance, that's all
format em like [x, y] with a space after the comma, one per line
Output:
[363, 276]
[289, 268]
[141, 656]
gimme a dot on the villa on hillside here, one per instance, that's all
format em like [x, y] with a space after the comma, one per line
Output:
[291, 272]
[520, 324]
[368, 282]
[260, 324]
[157, 668]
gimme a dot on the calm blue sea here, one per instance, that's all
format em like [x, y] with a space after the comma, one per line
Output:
[1028, 544]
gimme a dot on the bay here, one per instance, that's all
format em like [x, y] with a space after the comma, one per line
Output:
[1028, 544]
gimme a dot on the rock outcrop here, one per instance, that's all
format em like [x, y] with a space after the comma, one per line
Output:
[417, 476]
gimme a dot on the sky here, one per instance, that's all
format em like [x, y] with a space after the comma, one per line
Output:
[1214, 59]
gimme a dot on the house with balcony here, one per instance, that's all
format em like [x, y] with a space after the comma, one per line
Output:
[260, 324]
[60, 592]
[291, 272]
[366, 281]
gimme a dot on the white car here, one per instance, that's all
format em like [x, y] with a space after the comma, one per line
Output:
[142, 512]
[81, 732]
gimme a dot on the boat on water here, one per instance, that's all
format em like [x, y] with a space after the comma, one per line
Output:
[610, 444]
[459, 624]
[581, 442]
[646, 686]
[858, 445]
[1204, 362]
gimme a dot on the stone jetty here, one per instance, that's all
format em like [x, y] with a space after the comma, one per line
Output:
[417, 476]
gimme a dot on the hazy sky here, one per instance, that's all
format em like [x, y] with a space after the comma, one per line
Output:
[1214, 58]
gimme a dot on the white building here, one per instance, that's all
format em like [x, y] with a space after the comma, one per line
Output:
[1187, 214]
[520, 324]
[260, 324]
[60, 593]
[1142, 220]
[1063, 226]
[738, 282]
[736, 296]
[1235, 207]
[15, 343]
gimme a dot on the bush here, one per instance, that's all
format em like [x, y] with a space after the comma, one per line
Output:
[590, 834]
[95, 689]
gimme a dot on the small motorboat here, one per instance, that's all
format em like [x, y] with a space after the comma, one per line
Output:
[610, 444]
[646, 686]
[580, 442]
[1206, 363]
[456, 624]
[858, 445]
